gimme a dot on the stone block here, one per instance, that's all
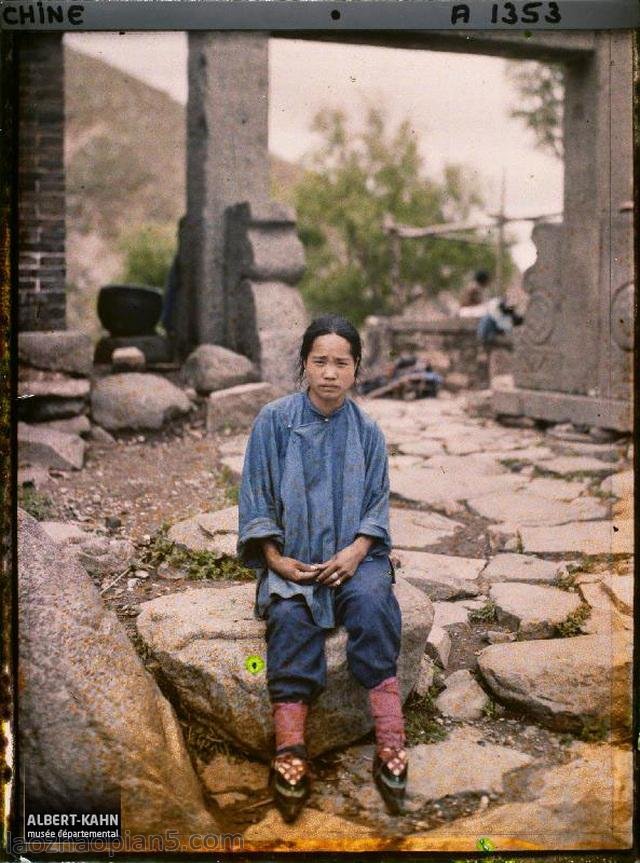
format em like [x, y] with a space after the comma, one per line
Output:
[156, 348]
[212, 367]
[57, 350]
[72, 425]
[521, 567]
[533, 610]
[49, 448]
[129, 359]
[564, 682]
[462, 698]
[270, 321]
[237, 407]
[134, 400]
[215, 532]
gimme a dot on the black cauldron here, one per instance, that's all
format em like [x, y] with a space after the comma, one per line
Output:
[129, 310]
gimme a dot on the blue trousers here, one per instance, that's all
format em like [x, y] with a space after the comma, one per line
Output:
[368, 609]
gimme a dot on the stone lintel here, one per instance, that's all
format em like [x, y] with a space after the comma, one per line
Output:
[563, 407]
[538, 45]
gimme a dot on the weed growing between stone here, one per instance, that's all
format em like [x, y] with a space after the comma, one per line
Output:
[593, 729]
[226, 479]
[572, 624]
[37, 504]
[419, 716]
[196, 565]
[491, 710]
[566, 580]
[486, 614]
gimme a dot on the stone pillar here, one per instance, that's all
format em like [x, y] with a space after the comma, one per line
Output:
[572, 360]
[227, 163]
[264, 310]
[41, 199]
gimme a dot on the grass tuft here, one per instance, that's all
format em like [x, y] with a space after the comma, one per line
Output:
[37, 504]
[486, 614]
[420, 713]
[572, 625]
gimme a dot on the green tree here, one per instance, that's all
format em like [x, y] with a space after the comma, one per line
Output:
[354, 181]
[540, 89]
[148, 252]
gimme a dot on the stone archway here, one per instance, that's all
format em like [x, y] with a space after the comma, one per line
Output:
[573, 356]
[568, 368]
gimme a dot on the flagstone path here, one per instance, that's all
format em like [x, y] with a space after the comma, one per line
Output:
[518, 536]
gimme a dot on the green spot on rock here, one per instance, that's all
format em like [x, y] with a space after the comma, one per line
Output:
[254, 664]
[484, 844]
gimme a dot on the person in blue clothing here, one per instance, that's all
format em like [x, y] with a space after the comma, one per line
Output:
[314, 523]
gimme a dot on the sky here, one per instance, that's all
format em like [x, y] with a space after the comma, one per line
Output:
[458, 106]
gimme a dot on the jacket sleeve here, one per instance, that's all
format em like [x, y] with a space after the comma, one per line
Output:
[375, 513]
[258, 508]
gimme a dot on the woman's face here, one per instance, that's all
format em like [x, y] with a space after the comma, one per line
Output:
[330, 370]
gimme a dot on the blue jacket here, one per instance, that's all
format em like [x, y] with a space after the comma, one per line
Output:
[312, 483]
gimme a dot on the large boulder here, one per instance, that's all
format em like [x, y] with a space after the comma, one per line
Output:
[203, 640]
[137, 401]
[237, 407]
[49, 448]
[94, 727]
[565, 682]
[57, 350]
[212, 367]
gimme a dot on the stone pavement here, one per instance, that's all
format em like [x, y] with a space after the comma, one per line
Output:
[518, 536]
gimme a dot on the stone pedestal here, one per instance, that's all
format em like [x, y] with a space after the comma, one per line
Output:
[156, 348]
[264, 310]
[573, 359]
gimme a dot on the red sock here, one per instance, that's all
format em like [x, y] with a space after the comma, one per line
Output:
[386, 709]
[289, 718]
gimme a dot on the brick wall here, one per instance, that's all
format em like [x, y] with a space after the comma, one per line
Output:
[41, 199]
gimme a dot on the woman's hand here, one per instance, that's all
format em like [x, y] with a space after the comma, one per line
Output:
[344, 563]
[295, 570]
[288, 567]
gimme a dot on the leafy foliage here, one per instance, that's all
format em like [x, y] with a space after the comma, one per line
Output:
[195, 564]
[148, 252]
[354, 181]
[540, 89]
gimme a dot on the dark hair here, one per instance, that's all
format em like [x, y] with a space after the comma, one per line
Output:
[324, 326]
[482, 277]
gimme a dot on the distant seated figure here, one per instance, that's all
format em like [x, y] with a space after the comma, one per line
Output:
[499, 320]
[474, 294]
[419, 376]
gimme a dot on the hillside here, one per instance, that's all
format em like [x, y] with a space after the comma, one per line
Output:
[125, 166]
